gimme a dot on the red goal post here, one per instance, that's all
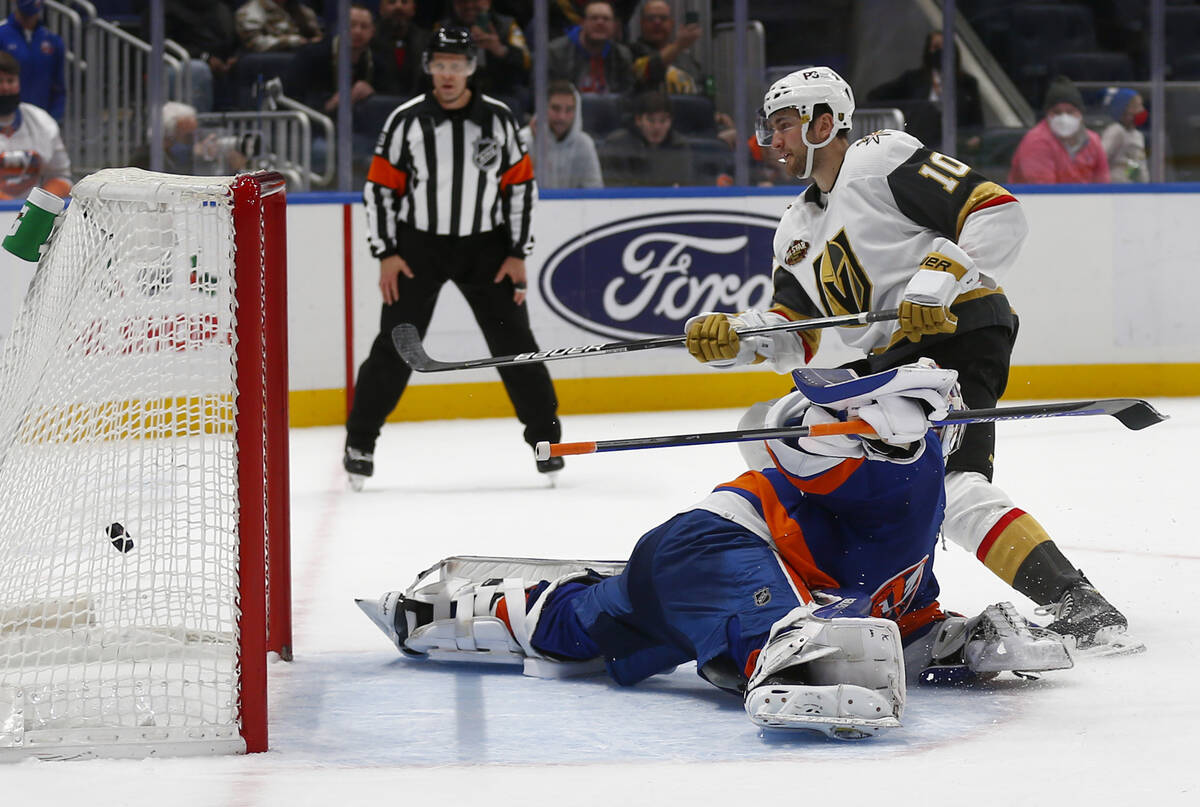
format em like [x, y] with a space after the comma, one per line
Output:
[260, 227]
[144, 462]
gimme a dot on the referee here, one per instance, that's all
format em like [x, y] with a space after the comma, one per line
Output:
[449, 196]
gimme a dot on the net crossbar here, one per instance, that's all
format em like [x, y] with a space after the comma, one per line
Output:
[134, 405]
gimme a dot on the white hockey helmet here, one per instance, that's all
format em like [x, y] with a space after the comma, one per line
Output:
[803, 91]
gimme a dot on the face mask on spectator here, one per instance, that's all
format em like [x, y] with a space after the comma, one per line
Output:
[8, 103]
[1065, 124]
[1139, 120]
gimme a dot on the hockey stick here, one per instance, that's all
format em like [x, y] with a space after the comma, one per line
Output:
[1133, 413]
[408, 343]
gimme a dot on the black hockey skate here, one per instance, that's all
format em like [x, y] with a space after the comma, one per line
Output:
[359, 465]
[1090, 623]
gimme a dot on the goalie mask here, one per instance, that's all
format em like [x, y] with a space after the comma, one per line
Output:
[803, 91]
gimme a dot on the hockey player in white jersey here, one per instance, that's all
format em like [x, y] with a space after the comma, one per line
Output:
[889, 223]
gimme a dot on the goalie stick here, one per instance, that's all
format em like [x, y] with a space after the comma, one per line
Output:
[408, 343]
[1133, 413]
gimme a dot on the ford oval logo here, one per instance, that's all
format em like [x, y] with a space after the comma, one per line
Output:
[646, 276]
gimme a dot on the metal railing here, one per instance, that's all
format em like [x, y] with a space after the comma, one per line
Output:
[271, 97]
[115, 108]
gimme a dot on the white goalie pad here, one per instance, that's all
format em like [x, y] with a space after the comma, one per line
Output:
[843, 677]
[470, 631]
[997, 640]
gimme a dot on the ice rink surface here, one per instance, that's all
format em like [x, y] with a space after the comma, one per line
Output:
[353, 723]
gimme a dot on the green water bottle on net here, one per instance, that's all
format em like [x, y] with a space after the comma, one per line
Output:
[29, 233]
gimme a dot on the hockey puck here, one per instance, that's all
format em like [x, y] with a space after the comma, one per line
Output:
[122, 540]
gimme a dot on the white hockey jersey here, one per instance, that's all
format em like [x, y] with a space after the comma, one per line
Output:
[855, 248]
[32, 155]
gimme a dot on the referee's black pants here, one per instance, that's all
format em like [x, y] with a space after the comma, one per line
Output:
[471, 264]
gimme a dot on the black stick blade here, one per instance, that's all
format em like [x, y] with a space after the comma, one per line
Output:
[1134, 413]
[408, 344]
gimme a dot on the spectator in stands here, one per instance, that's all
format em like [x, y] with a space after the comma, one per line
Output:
[650, 152]
[663, 61]
[313, 79]
[398, 45]
[184, 152]
[1124, 145]
[571, 159]
[504, 60]
[32, 154]
[276, 25]
[206, 28]
[924, 85]
[568, 14]
[1060, 149]
[41, 55]
[589, 57]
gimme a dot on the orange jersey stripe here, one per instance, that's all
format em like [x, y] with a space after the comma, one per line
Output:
[384, 173]
[921, 617]
[789, 538]
[825, 483]
[521, 172]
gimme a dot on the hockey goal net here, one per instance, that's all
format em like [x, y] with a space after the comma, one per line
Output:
[143, 473]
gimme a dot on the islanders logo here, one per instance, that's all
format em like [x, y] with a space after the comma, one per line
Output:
[645, 276]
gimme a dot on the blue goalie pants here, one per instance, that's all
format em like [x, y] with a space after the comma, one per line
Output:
[699, 587]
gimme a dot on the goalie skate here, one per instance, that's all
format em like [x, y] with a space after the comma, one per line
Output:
[841, 677]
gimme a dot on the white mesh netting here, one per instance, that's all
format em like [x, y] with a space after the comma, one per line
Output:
[116, 408]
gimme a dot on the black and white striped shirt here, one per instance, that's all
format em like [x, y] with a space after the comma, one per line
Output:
[449, 172]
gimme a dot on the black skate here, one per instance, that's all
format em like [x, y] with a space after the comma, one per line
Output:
[359, 465]
[1089, 623]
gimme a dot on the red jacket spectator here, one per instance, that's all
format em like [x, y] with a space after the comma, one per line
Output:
[1060, 149]
[1043, 159]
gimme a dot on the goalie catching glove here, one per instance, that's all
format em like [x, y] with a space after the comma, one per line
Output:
[713, 338]
[944, 274]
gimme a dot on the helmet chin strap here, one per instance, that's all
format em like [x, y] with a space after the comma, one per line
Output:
[812, 148]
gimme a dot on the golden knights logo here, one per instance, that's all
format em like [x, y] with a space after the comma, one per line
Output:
[841, 279]
[796, 252]
[486, 153]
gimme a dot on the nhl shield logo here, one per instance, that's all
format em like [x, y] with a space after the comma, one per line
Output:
[762, 596]
[486, 154]
[796, 252]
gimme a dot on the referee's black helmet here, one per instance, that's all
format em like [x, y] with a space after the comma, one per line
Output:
[450, 39]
